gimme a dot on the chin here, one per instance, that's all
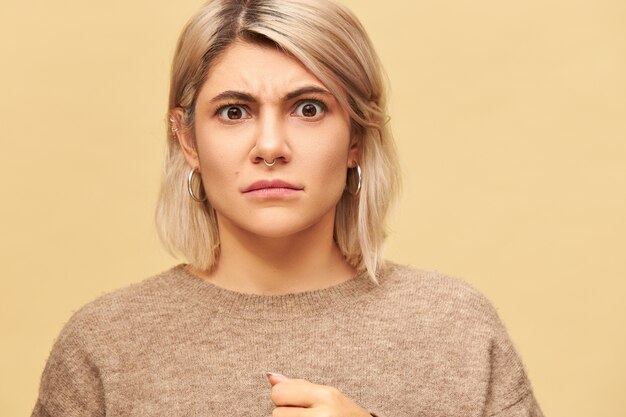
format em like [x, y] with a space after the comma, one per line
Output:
[278, 222]
[279, 231]
[280, 225]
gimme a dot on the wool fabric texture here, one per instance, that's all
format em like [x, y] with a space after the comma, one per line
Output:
[418, 343]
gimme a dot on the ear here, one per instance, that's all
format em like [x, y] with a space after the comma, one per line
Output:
[354, 150]
[185, 136]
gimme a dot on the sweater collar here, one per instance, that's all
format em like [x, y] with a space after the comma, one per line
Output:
[270, 307]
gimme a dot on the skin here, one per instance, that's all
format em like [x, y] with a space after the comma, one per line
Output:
[301, 398]
[258, 104]
[271, 245]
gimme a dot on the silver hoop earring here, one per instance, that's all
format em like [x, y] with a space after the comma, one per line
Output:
[358, 185]
[269, 164]
[189, 178]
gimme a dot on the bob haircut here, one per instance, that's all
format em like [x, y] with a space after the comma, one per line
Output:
[333, 45]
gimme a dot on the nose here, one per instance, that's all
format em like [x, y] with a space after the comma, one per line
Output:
[271, 142]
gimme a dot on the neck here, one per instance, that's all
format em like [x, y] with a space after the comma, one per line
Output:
[305, 261]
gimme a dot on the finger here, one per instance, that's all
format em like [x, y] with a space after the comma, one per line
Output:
[292, 393]
[275, 378]
[301, 393]
[292, 412]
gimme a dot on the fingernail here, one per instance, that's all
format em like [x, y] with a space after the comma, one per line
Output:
[276, 374]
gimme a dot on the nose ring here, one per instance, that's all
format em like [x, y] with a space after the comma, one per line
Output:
[269, 164]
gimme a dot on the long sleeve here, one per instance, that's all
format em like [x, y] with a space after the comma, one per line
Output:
[510, 393]
[417, 344]
[70, 382]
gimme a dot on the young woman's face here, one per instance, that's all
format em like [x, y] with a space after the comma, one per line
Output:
[260, 107]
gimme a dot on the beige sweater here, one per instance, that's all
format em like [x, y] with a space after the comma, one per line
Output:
[419, 344]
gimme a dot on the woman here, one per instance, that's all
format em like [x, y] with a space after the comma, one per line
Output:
[278, 175]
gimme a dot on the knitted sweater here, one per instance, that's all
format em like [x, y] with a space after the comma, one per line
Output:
[417, 344]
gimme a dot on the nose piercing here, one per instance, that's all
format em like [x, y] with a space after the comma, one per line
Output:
[270, 164]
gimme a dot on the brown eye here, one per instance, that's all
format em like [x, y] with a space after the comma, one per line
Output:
[233, 112]
[310, 109]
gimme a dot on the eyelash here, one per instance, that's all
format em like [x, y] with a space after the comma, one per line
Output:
[220, 109]
[316, 101]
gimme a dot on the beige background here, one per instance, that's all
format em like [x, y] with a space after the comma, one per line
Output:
[511, 121]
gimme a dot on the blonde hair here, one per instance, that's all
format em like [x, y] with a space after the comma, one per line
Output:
[331, 43]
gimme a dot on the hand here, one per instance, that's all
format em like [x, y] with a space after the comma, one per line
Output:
[300, 398]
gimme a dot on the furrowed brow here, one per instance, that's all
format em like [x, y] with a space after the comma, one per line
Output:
[306, 90]
[233, 95]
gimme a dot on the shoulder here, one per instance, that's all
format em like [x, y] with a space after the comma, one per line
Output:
[455, 319]
[446, 309]
[432, 280]
[436, 293]
[138, 303]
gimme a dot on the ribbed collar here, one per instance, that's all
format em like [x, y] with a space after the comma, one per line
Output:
[267, 307]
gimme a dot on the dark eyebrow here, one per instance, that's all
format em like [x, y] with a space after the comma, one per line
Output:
[233, 95]
[306, 90]
[241, 96]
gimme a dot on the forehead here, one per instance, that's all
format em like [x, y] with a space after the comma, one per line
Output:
[261, 70]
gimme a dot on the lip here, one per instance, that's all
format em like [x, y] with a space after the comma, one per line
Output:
[271, 187]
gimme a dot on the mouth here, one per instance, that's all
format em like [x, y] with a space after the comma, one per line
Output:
[271, 187]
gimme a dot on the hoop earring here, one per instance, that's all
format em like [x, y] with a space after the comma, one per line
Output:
[358, 186]
[190, 190]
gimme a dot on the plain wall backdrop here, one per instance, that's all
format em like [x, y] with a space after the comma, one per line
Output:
[510, 118]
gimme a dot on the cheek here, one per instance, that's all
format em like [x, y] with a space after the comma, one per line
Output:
[220, 164]
[326, 160]
[333, 163]
[330, 145]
